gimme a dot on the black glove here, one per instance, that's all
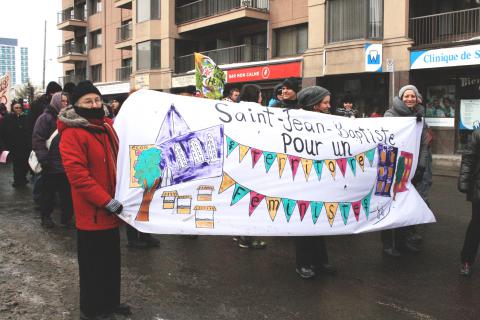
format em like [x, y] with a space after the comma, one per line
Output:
[419, 116]
[114, 206]
[418, 176]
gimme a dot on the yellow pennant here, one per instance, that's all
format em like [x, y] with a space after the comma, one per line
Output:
[331, 210]
[331, 167]
[307, 167]
[282, 160]
[243, 151]
[361, 160]
[273, 204]
[227, 182]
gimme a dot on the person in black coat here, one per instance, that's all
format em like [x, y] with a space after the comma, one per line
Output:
[18, 142]
[469, 183]
[290, 87]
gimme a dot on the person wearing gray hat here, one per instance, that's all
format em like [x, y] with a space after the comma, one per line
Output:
[314, 98]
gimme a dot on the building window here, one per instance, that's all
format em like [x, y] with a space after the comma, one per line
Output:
[97, 73]
[96, 39]
[148, 55]
[95, 6]
[148, 10]
[354, 19]
[290, 41]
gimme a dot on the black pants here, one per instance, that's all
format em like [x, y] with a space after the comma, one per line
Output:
[51, 184]
[99, 266]
[310, 251]
[20, 170]
[134, 235]
[472, 237]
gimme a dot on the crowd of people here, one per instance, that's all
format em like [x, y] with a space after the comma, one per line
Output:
[71, 132]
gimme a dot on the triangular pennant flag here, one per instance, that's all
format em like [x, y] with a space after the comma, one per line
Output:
[318, 165]
[281, 159]
[256, 154]
[294, 161]
[302, 208]
[288, 206]
[255, 199]
[353, 165]
[331, 167]
[239, 192]
[269, 158]
[361, 160]
[243, 152]
[316, 207]
[272, 204]
[227, 182]
[370, 155]
[345, 211]
[307, 167]
[356, 205]
[342, 164]
[331, 210]
[366, 204]
[231, 145]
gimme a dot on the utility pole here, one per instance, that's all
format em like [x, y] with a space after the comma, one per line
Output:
[44, 53]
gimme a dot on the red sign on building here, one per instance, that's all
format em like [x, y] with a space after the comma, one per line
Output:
[261, 73]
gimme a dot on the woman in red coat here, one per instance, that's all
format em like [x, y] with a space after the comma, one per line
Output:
[89, 147]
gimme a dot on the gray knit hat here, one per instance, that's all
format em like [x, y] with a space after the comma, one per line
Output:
[408, 87]
[310, 96]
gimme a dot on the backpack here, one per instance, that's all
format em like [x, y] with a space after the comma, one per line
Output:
[33, 160]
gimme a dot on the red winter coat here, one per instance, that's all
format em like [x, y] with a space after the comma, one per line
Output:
[84, 155]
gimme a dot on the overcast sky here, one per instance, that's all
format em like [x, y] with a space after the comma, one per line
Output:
[24, 20]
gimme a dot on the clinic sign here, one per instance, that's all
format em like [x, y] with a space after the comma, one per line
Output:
[445, 57]
[373, 57]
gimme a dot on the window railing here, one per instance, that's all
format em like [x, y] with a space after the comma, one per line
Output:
[123, 73]
[71, 48]
[242, 53]
[75, 78]
[205, 8]
[445, 27]
[71, 14]
[124, 32]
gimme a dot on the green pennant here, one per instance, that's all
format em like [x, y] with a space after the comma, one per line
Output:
[231, 145]
[366, 204]
[370, 154]
[269, 158]
[352, 162]
[288, 206]
[316, 207]
[239, 192]
[345, 211]
[318, 165]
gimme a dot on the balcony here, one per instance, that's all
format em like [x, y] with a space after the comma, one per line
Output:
[193, 14]
[123, 73]
[242, 53]
[445, 28]
[124, 37]
[123, 4]
[75, 78]
[72, 52]
[71, 19]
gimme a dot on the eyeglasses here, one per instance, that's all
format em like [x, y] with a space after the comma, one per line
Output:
[91, 102]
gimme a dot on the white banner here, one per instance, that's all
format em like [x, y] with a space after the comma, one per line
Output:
[445, 57]
[189, 165]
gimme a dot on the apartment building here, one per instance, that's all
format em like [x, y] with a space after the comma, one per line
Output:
[14, 61]
[364, 48]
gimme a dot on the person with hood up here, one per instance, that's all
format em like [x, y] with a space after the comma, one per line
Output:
[290, 87]
[276, 96]
[347, 109]
[311, 252]
[53, 174]
[89, 148]
[406, 104]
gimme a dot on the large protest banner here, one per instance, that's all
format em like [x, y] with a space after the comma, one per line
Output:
[190, 165]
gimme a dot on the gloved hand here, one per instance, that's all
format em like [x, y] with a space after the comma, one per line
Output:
[114, 206]
[419, 116]
[463, 187]
[418, 176]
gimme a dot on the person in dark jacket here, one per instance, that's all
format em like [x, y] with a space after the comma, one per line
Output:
[347, 109]
[3, 114]
[290, 87]
[89, 148]
[311, 252]
[53, 174]
[18, 142]
[276, 95]
[406, 105]
[469, 183]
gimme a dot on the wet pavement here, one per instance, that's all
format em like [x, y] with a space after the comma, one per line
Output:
[211, 278]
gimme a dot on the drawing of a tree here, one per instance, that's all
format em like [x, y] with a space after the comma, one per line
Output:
[149, 175]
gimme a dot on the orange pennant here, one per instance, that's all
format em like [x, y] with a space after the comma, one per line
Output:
[331, 210]
[272, 204]
[243, 151]
[331, 167]
[282, 159]
[361, 160]
[227, 182]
